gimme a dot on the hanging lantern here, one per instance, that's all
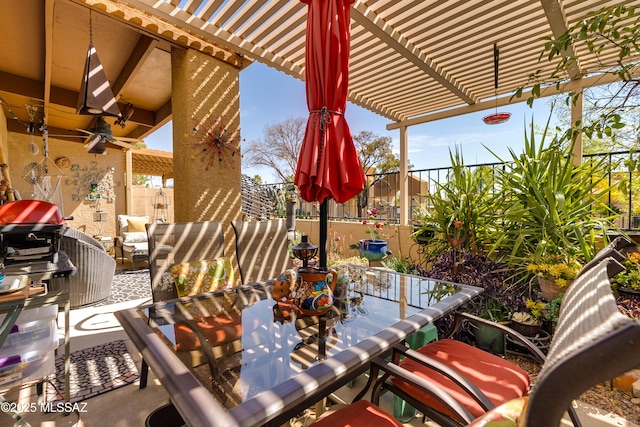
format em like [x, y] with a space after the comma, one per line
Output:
[96, 97]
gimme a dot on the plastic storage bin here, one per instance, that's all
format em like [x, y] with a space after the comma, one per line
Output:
[28, 352]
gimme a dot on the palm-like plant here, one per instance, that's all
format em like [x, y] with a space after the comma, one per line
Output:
[460, 209]
[549, 205]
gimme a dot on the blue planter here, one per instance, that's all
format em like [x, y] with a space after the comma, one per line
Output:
[373, 250]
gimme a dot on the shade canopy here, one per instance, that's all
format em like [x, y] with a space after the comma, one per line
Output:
[328, 165]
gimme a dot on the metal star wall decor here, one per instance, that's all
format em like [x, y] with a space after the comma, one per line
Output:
[216, 143]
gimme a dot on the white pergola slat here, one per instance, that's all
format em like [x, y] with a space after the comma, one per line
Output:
[409, 59]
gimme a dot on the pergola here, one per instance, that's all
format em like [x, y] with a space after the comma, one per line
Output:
[412, 61]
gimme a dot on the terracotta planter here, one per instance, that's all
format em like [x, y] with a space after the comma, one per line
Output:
[525, 329]
[549, 289]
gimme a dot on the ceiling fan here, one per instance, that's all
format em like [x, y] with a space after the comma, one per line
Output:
[98, 135]
[101, 133]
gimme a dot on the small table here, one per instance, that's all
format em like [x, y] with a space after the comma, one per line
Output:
[232, 358]
[107, 242]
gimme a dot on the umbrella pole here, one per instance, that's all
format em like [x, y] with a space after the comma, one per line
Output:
[324, 222]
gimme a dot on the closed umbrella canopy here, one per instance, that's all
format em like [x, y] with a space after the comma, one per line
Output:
[328, 165]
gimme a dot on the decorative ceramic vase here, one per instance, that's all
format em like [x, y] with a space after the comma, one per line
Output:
[549, 289]
[314, 293]
[373, 250]
[490, 339]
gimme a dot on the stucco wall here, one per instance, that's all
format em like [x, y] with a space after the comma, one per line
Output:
[144, 201]
[75, 181]
[344, 233]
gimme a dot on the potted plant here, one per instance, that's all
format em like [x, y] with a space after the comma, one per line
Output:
[554, 272]
[547, 206]
[627, 282]
[374, 248]
[486, 337]
[529, 323]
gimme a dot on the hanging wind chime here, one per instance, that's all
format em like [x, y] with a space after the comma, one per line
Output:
[497, 117]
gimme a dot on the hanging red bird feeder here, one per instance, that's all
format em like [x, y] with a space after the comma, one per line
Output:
[496, 118]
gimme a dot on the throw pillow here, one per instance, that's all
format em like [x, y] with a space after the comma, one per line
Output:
[134, 237]
[192, 278]
[136, 224]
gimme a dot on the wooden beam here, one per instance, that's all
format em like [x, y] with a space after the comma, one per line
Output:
[572, 86]
[34, 89]
[558, 22]
[48, 54]
[140, 53]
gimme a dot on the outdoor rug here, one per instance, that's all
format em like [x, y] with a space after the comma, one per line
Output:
[94, 371]
[128, 285]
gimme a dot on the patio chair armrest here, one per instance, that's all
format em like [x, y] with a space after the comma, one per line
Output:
[438, 393]
[517, 336]
[463, 382]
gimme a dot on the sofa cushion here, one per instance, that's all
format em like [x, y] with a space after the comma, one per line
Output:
[137, 224]
[192, 278]
[136, 249]
[134, 237]
[123, 222]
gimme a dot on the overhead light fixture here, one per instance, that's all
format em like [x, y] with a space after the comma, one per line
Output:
[96, 97]
[96, 145]
[496, 118]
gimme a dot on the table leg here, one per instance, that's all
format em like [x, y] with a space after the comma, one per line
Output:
[67, 352]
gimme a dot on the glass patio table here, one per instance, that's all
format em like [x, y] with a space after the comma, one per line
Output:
[238, 357]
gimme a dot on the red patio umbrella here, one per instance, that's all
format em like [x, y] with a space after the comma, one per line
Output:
[328, 164]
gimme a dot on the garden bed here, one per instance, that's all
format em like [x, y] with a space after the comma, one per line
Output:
[603, 396]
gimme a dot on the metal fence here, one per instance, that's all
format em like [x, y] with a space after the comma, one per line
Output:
[384, 191]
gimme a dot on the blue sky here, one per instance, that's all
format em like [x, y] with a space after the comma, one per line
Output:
[268, 96]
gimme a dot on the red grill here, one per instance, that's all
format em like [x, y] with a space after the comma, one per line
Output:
[30, 231]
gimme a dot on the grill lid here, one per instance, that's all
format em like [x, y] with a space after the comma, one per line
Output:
[26, 212]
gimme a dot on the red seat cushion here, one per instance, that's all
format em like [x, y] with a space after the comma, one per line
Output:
[499, 379]
[218, 330]
[359, 414]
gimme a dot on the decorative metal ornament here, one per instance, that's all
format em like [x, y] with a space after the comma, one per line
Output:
[33, 173]
[216, 143]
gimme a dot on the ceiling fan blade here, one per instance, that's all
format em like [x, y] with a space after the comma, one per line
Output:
[65, 136]
[123, 144]
[85, 131]
[134, 140]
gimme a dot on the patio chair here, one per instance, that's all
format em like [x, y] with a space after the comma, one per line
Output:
[593, 342]
[95, 269]
[171, 244]
[262, 249]
[131, 240]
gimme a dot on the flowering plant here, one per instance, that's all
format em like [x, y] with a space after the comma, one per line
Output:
[374, 227]
[630, 277]
[559, 268]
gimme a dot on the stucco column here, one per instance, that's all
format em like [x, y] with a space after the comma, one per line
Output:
[205, 95]
[404, 176]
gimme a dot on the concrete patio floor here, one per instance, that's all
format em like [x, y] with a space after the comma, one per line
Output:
[129, 406]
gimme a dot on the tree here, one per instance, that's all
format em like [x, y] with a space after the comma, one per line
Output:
[376, 155]
[375, 152]
[610, 35]
[279, 147]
